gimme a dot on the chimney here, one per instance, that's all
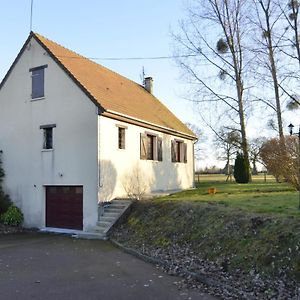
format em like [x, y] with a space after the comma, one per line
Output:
[149, 84]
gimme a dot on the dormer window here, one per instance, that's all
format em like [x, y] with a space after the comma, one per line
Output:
[38, 82]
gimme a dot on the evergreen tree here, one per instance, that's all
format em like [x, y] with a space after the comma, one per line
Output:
[241, 169]
[4, 199]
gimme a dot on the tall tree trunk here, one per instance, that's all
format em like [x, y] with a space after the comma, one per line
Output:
[273, 69]
[237, 59]
[295, 11]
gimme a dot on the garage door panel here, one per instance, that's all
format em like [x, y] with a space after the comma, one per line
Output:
[64, 207]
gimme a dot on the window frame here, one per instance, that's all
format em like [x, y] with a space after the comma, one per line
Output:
[149, 140]
[151, 143]
[48, 136]
[38, 82]
[178, 151]
[121, 138]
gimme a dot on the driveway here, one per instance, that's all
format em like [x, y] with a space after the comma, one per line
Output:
[44, 266]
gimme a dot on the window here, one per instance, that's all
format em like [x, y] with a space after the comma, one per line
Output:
[151, 147]
[178, 151]
[48, 136]
[121, 138]
[37, 82]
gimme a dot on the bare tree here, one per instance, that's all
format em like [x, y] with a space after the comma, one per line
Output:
[200, 139]
[136, 183]
[255, 147]
[290, 10]
[211, 41]
[267, 21]
[228, 142]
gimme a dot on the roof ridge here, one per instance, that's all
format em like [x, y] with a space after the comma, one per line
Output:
[40, 35]
[90, 60]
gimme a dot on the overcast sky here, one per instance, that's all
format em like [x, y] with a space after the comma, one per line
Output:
[108, 29]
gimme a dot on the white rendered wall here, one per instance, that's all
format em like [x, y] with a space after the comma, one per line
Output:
[118, 166]
[74, 158]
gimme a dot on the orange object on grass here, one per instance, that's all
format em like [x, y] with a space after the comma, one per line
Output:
[212, 190]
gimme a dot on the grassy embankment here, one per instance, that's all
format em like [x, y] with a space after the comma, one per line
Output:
[253, 226]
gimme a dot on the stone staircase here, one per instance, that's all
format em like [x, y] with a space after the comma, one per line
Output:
[108, 214]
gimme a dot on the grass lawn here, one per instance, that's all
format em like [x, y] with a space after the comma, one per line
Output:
[253, 226]
[258, 196]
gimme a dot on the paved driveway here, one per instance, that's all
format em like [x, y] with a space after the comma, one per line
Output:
[43, 266]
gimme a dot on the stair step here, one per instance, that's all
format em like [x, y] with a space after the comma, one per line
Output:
[109, 214]
[112, 210]
[99, 229]
[91, 236]
[112, 214]
[125, 203]
[106, 219]
[103, 223]
[116, 206]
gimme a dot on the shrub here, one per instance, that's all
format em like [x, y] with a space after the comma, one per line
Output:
[5, 202]
[13, 216]
[4, 199]
[282, 159]
[241, 169]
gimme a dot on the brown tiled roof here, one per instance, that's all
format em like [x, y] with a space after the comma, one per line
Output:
[114, 93]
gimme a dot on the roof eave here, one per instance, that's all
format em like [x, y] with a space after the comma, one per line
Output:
[88, 94]
[139, 122]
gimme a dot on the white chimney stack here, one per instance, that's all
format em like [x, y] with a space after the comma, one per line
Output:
[149, 84]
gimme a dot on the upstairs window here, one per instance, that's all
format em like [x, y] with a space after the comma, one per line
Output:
[151, 147]
[47, 136]
[38, 82]
[121, 137]
[178, 151]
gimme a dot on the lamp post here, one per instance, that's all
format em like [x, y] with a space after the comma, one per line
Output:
[291, 127]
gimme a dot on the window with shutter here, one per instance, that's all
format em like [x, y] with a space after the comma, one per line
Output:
[185, 153]
[178, 151]
[151, 147]
[143, 146]
[159, 149]
[173, 151]
[38, 82]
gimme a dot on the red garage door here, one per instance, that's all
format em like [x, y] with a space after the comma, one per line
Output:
[64, 206]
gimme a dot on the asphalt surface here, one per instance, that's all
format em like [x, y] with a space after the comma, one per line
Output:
[43, 266]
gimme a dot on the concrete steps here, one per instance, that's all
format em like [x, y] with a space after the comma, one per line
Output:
[109, 214]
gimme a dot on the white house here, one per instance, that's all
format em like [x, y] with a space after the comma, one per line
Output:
[73, 133]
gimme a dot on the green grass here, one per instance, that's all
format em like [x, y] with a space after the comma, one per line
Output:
[222, 178]
[254, 226]
[258, 196]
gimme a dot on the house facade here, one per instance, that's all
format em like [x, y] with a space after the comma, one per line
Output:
[73, 134]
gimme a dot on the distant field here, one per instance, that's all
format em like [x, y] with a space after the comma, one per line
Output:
[222, 178]
[257, 196]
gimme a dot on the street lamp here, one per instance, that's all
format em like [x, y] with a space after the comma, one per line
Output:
[291, 127]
